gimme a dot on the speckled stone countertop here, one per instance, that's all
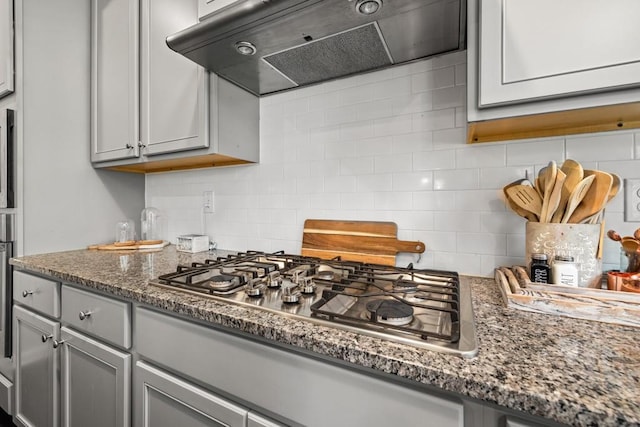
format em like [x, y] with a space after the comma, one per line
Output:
[572, 371]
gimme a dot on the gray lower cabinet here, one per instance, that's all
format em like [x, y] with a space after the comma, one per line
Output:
[169, 401]
[36, 377]
[292, 388]
[95, 381]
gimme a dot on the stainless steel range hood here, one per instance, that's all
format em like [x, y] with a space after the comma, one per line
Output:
[302, 42]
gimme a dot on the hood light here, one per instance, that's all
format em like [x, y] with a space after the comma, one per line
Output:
[368, 7]
[246, 48]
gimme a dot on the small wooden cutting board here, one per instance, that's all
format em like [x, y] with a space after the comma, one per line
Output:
[364, 241]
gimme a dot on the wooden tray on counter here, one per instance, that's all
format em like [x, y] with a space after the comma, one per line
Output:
[622, 308]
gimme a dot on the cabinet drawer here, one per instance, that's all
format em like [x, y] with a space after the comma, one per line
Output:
[37, 293]
[100, 316]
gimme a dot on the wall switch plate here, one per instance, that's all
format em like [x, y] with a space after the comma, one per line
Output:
[207, 202]
[632, 200]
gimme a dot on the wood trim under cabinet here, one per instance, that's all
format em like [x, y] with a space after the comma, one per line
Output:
[196, 162]
[584, 120]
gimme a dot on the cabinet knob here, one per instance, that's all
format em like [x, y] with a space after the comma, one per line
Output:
[26, 293]
[57, 343]
[141, 145]
[84, 314]
[45, 338]
[129, 146]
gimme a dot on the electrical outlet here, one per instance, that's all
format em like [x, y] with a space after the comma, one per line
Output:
[632, 200]
[207, 202]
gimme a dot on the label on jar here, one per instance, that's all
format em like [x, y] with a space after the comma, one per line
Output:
[540, 273]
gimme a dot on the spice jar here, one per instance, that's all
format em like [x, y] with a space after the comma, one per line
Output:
[540, 272]
[564, 271]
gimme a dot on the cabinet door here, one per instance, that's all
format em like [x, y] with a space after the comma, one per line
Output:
[36, 380]
[167, 401]
[174, 88]
[546, 49]
[6, 47]
[114, 79]
[95, 383]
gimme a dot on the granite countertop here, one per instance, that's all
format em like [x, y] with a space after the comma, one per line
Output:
[572, 371]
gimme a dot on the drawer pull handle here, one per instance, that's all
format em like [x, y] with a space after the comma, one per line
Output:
[26, 293]
[57, 343]
[45, 338]
[84, 314]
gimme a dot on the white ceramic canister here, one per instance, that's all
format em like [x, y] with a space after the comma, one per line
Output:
[577, 240]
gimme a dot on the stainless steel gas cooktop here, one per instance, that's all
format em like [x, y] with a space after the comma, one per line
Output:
[425, 308]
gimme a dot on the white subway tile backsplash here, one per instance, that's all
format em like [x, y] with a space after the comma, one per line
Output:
[449, 97]
[604, 146]
[538, 152]
[434, 160]
[385, 146]
[434, 79]
[339, 150]
[393, 163]
[340, 184]
[481, 156]
[374, 146]
[499, 177]
[357, 201]
[374, 182]
[456, 221]
[482, 243]
[412, 103]
[357, 166]
[433, 120]
[392, 88]
[434, 200]
[413, 181]
[389, 200]
[449, 138]
[412, 142]
[393, 125]
[356, 130]
[456, 179]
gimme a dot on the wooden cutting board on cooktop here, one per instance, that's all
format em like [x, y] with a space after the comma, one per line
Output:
[363, 241]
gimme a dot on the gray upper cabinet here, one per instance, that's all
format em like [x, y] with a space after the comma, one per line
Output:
[183, 118]
[114, 80]
[541, 49]
[545, 56]
[6, 47]
[174, 89]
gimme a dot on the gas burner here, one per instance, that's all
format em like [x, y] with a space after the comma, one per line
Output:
[390, 312]
[223, 282]
[426, 308]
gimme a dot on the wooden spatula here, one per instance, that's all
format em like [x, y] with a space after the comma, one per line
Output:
[576, 197]
[595, 199]
[526, 197]
[517, 209]
[574, 172]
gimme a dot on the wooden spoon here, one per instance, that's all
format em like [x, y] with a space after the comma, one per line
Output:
[548, 179]
[615, 187]
[526, 197]
[595, 199]
[613, 235]
[629, 244]
[574, 172]
[636, 234]
[556, 194]
[576, 196]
